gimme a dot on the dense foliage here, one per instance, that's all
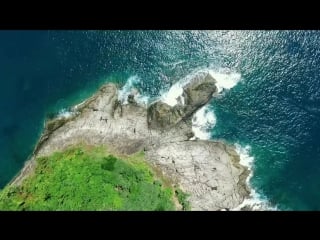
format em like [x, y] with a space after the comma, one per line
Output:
[89, 178]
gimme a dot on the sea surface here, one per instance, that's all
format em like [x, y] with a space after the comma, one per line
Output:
[268, 104]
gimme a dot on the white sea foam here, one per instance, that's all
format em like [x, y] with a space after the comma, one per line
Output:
[225, 79]
[255, 201]
[64, 113]
[203, 119]
[129, 88]
[75, 108]
[171, 97]
[244, 153]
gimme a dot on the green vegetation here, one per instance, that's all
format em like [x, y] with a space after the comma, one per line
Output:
[182, 198]
[89, 178]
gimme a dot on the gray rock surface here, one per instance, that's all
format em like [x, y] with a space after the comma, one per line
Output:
[209, 171]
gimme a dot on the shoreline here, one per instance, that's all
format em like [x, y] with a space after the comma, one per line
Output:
[30, 163]
[129, 122]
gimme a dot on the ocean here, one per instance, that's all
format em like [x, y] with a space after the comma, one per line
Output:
[268, 104]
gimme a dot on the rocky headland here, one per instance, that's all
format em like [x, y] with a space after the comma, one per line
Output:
[209, 171]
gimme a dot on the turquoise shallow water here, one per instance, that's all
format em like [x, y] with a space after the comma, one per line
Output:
[275, 108]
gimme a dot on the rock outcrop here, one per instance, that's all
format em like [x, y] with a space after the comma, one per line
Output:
[196, 94]
[163, 116]
[209, 171]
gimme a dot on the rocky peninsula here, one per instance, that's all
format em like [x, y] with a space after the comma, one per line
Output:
[209, 171]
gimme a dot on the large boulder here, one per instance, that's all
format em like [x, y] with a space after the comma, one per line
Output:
[162, 116]
[196, 93]
[199, 91]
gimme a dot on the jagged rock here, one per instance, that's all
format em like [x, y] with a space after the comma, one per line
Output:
[196, 94]
[131, 99]
[117, 108]
[190, 134]
[163, 116]
[55, 124]
[199, 91]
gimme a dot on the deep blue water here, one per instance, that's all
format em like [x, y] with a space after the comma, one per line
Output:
[275, 108]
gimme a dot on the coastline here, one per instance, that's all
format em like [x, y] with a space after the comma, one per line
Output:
[127, 131]
[58, 122]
